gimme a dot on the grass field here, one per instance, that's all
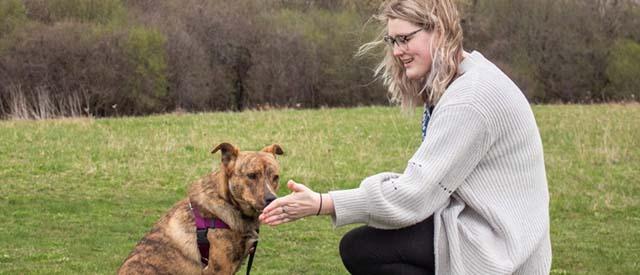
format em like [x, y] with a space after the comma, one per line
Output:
[77, 194]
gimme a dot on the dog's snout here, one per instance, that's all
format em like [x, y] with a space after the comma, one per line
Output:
[268, 198]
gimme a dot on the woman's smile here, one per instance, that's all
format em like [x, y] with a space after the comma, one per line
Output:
[407, 61]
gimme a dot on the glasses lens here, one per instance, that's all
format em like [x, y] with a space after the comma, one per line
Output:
[388, 39]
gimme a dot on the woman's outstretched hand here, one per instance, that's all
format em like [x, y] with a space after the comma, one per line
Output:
[300, 203]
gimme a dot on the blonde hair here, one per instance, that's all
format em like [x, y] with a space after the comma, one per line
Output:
[433, 15]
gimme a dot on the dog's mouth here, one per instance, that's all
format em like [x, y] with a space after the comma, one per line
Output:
[260, 208]
[256, 209]
[251, 210]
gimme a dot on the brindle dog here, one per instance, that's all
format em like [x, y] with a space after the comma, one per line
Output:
[237, 193]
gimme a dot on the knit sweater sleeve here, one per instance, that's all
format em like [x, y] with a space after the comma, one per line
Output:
[457, 140]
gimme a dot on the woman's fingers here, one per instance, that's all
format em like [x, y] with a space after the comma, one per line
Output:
[282, 214]
[276, 207]
[297, 187]
[276, 219]
[300, 203]
[279, 222]
[275, 204]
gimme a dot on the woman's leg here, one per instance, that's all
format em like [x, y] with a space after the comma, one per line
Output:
[409, 250]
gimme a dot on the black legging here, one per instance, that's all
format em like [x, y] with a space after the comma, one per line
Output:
[409, 250]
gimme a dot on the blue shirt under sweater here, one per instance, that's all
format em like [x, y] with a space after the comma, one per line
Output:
[425, 119]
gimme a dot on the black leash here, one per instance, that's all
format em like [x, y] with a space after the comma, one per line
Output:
[253, 254]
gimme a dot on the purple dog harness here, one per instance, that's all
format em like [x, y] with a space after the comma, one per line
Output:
[202, 227]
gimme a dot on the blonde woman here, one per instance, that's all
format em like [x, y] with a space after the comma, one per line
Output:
[473, 198]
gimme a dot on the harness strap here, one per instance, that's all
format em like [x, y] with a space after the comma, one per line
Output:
[202, 228]
[253, 254]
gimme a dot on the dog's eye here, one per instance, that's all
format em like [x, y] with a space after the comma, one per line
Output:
[252, 176]
[276, 179]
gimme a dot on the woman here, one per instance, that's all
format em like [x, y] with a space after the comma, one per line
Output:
[473, 198]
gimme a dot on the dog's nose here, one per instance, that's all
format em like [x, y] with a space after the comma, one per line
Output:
[268, 198]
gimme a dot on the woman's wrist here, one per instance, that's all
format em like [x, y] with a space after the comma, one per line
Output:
[325, 205]
[320, 206]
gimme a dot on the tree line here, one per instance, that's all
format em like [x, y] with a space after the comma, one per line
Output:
[137, 57]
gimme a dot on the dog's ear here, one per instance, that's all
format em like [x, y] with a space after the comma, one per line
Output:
[229, 152]
[274, 149]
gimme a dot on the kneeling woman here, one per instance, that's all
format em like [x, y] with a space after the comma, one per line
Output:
[473, 198]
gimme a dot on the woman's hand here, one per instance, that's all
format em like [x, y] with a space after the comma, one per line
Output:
[300, 203]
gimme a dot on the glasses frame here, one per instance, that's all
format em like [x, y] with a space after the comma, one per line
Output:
[400, 40]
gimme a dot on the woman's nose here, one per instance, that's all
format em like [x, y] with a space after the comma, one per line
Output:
[397, 50]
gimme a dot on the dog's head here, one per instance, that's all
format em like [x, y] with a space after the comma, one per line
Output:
[252, 177]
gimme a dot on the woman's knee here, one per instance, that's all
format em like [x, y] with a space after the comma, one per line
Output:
[347, 244]
[352, 250]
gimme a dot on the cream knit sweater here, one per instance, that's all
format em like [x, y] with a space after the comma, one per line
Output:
[479, 171]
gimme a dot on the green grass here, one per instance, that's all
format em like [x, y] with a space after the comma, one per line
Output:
[77, 194]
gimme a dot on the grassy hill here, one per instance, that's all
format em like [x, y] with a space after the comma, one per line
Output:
[77, 194]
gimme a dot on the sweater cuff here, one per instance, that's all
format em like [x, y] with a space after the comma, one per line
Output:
[351, 206]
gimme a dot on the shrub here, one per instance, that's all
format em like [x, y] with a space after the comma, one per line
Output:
[45, 69]
[329, 40]
[147, 87]
[12, 14]
[109, 72]
[197, 80]
[98, 11]
[623, 71]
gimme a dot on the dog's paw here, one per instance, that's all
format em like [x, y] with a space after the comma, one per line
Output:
[250, 243]
[251, 235]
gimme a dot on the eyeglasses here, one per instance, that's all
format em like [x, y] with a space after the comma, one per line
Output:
[400, 40]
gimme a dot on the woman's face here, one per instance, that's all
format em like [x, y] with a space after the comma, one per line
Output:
[415, 52]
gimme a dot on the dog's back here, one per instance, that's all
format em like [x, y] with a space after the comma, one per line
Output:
[169, 248]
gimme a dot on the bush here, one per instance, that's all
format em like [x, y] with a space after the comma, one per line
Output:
[56, 55]
[329, 40]
[555, 55]
[53, 66]
[47, 66]
[109, 72]
[147, 86]
[98, 11]
[197, 81]
[623, 71]
[12, 14]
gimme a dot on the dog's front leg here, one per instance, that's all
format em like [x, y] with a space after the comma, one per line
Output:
[221, 209]
[225, 252]
[229, 214]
